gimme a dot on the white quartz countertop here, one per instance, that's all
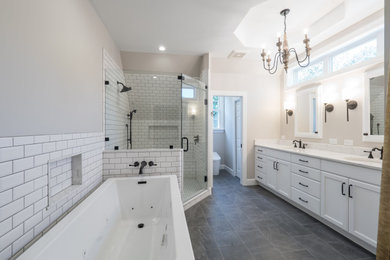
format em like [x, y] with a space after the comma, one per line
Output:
[351, 159]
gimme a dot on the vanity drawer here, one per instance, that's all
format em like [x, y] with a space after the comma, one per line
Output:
[306, 200]
[307, 185]
[306, 171]
[260, 166]
[261, 177]
[306, 160]
[259, 158]
[285, 156]
[260, 150]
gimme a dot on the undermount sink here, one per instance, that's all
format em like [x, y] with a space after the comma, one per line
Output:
[362, 159]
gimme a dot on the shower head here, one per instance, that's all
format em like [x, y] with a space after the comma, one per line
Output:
[124, 88]
[134, 111]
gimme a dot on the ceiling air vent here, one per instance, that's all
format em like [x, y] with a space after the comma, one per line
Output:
[237, 54]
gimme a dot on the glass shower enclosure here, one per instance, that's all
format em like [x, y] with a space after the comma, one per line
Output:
[162, 111]
[194, 135]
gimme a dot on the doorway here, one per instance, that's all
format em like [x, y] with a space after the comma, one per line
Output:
[227, 135]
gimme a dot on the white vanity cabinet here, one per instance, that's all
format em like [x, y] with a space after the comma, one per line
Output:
[342, 193]
[273, 169]
[279, 176]
[352, 205]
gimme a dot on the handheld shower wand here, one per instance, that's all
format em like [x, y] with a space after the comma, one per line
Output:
[129, 138]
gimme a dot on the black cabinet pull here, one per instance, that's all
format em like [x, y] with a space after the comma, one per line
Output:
[258, 166]
[260, 150]
[303, 161]
[277, 166]
[342, 188]
[274, 165]
[304, 185]
[349, 191]
[303, 171]
[260, 158]
[303, 200]
[259, 177]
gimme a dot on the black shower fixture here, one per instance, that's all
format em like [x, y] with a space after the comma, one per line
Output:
[124, 88]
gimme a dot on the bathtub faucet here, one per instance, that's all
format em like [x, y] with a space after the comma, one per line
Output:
[143, 164]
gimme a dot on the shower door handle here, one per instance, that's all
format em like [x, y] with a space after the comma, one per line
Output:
[182, 143]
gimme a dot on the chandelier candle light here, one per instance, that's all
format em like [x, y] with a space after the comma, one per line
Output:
[283, 55]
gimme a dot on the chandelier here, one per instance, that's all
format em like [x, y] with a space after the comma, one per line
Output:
[283, 54]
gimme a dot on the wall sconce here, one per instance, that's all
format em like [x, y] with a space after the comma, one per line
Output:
[193, 112]
[328, 108]
[289, 112]
[351, 105]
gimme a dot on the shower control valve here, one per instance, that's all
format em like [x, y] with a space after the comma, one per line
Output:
[136, 164]
[151, 163]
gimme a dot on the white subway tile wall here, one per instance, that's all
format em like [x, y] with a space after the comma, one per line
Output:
[117, 105]
[157, 99]
[24, 182]
[169, 162]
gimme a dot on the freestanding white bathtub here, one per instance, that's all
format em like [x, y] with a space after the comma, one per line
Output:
[107, 224]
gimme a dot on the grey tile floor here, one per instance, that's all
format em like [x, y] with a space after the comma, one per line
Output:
[251, 223]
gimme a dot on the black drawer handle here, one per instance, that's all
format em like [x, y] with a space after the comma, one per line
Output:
[349, 191]
[260, 150]
[259, 177]
[303, 171]
[303, 200]
[304, 185]
[259, 158]
[342, 188]
[258, 166]
[303, 161]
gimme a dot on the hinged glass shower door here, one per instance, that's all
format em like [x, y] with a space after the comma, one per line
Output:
[194, 136]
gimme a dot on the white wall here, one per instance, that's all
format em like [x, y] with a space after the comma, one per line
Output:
[51, 67]
[263, 98]
[219, 144]
[191, 65]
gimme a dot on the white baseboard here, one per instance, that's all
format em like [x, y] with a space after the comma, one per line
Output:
[250, 182]
[197, 199]
[228, 169]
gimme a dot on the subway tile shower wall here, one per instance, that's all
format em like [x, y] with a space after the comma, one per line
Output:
[169, 162]
[157, 99]
[24, 163]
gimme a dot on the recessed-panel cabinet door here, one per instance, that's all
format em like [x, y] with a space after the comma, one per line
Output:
[364, 210]
[271, 173]
[283, 176]
[334, 199]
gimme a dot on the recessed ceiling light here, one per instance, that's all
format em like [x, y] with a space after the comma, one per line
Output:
[155, 77]
[161, 48]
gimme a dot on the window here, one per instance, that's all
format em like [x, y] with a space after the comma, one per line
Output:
[188, 91]
[310, 72]
[218, 113]
[365, 48]
[355, 55]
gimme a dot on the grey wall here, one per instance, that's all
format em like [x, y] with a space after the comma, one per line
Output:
[163, 63]
[229, 132]
[51, 67]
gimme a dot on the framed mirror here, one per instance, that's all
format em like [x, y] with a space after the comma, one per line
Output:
[374, 106]
[308, 121]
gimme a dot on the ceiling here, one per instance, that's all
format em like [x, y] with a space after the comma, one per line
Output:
[219, 26]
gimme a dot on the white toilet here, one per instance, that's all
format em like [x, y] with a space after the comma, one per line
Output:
[216, 163]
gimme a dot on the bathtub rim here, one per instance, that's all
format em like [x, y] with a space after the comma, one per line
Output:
[183, 246]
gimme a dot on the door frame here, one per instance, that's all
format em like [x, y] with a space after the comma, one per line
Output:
[235, 136]
[244, 99]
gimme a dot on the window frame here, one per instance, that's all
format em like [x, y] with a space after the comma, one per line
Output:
[327, 58]
[221, 114]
